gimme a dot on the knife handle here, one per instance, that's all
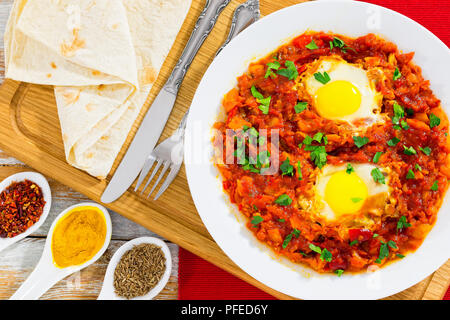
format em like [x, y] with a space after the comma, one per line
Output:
[203, 27]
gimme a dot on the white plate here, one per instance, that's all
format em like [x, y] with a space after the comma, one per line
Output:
[108, 292]
[227, 227]
[39, 180]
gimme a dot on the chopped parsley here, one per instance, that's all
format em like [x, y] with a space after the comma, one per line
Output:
[322, 78]
[283, 200]
[287, 240]
[325, 255]
[399, 113]
[425, 150]
[397, 74]
[417, 167]
[286, 168]
[299, 171]
[393, 142]
[300, 107]
[256, 220]
[265, 102]
[290, 72]
[339, 272]
[318, 137]
[312, 45]
[318, 155]
[350, 168]
[403, 223]
[315, 248]
[356, 200]
[435, 186]
[360, 141]
[281, 220]
[410, 175]
[410, 151]
[296, 232]
[353, 242]
[338, 43]
[272, 66]
[392, 244]
[378, 176]
[377, 156]
[404, 125]
[384, 252]
[434, 120]
[400, 255]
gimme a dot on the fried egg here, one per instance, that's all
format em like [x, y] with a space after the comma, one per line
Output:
[342, 91]
[342, 195]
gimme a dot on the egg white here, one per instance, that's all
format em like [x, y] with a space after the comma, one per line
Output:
[338, 69]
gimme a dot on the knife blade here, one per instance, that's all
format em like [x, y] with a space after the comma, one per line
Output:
[155, 120]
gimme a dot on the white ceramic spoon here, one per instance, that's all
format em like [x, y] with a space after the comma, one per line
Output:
[40, 180]
[108, 292]
[46, 273]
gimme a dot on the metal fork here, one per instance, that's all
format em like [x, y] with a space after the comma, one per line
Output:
[169, 153]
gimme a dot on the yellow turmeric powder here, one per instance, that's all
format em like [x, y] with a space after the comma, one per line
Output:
[78, 236]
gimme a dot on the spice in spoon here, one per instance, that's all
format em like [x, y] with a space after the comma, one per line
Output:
[139, 270]
[21, 206]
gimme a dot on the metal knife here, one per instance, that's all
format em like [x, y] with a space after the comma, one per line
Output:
[155, 120]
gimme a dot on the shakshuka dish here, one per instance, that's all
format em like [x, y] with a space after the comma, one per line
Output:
[361, 152]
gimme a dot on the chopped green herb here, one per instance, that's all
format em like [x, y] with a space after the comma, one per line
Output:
[315, 248]
[299, 171]
[393, 142]
[281, 220]
[392, 244]
[435, 186]
[256, 220]
[272, 66]
[290, 72]
[322, 78]
[399, 113]
[300, 107]
[307, 141]
[339, 272]
[409, 151]
[265, 102]
[377, 156]
[384, 252]
[400, 255]
[377, 176]
[338, 43]
[312, 45]
[356, 200]
[425, 150]
[318, 155]
[326, 255]
[397, 74]
[353, 242]
[283, 200]
[286, 168]
[403, 223]
[418, 167]
[296, 233]
[350, 168]
[287, 240]
[404, 125]
[360, 141]
[410, 175]
[434, 120]
[375, 235]
[318, 137]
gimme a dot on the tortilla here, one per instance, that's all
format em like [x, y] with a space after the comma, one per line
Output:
[103, 58]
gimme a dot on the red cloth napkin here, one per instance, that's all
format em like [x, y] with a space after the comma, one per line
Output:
[198, 279]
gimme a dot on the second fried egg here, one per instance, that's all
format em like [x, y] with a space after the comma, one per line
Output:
[342, 91]
[345, 192]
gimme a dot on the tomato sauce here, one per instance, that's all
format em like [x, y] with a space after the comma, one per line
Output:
[290, 229]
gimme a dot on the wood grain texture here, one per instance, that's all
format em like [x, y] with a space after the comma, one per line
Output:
[29, 131]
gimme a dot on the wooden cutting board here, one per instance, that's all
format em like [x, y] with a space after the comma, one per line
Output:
[30, 131]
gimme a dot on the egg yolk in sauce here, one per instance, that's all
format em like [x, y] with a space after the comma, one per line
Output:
[337, 99]
[345, 193]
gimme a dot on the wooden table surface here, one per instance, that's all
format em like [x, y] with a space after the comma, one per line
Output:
[17, 261]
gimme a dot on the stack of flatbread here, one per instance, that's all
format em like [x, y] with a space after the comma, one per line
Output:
[101, 56]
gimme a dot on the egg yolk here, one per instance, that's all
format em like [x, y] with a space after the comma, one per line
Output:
[345, 193]
[337, 99]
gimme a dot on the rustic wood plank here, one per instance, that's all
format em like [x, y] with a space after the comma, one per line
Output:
[17, 262]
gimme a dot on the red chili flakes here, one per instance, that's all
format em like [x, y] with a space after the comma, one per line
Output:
[21, 206]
